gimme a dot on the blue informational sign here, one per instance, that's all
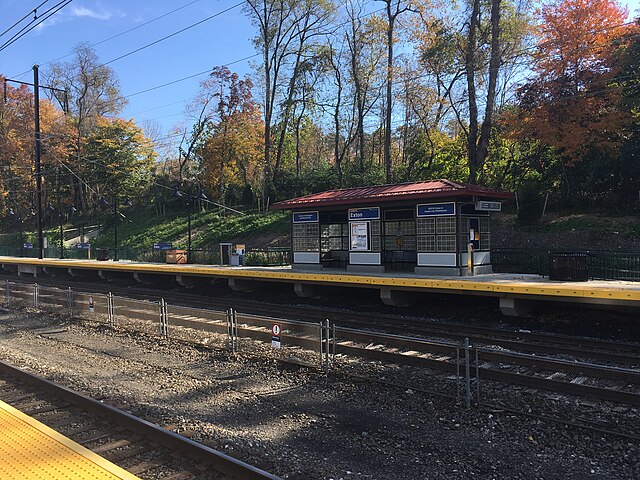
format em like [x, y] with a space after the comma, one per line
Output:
[436, 209]
[306, 217]
[368, 213]
[83, 246]
[163, 246]
[27, 245]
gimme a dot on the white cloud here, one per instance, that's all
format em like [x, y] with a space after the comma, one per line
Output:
[81, 11]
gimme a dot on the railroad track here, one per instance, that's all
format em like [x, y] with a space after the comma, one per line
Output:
[574, 347]
[565, 376]
[138, 446]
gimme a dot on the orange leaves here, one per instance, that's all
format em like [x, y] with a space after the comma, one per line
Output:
[576, 36]
[573, 105]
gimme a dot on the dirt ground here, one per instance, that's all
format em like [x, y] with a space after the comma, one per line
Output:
[298, 424]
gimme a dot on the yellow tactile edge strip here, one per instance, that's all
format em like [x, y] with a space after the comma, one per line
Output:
[503, 288]
[110, 470]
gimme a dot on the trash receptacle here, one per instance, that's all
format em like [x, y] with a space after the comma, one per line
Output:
[569, 267]
[102, 254]
[226, 250]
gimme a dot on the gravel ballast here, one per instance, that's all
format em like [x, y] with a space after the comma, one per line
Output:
[296, 423]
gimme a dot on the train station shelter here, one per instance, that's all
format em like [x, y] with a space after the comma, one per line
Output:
[427, 227]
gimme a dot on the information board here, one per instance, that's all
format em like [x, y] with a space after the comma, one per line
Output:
[163, 246]
[436, 209]
[359, 241]
[486, 206]
[306, 217]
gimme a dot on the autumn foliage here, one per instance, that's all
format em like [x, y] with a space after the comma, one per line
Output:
[572, 104]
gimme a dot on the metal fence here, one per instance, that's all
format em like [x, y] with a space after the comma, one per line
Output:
[271, 256]
[602, 264]
[466, 369]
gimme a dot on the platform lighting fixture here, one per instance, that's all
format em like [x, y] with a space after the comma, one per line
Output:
[104, 203]
[190, 200]
[12, 213]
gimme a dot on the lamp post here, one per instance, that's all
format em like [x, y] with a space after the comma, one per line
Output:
[190, 199]
[127, 203]
[12, 213]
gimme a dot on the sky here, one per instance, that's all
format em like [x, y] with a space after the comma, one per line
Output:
[217, 41]
[222, 40]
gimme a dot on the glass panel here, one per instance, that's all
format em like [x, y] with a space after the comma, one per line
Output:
[446, 243]
[426, 243]
[446, 225]
[426, 226]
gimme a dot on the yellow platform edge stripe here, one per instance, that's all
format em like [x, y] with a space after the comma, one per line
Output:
[109, 468]
[504, 287]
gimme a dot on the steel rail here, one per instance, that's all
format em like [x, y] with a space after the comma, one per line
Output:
[620, 352]
[221, 462]
[418, 349]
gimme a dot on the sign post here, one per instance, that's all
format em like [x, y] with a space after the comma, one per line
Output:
[276, 329]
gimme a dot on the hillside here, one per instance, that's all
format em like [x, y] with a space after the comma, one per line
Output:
[560, 231]
[568, 231]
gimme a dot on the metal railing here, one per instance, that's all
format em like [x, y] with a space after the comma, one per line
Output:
[271, 256]
[602, 264]
[328, 347]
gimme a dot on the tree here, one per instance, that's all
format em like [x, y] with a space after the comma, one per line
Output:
[393, 9]
[93, 91]
[365, 55]
[229, 154]
[118, 157]
[571, 103]
[478, 139]
[17, 184]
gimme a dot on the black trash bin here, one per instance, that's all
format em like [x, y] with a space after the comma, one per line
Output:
[569, 267]
[102, 254]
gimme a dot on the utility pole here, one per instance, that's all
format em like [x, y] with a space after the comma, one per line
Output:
[36, 107]
[38, 146]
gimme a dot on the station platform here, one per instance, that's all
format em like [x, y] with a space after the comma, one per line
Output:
[517, 293]
[31, 450]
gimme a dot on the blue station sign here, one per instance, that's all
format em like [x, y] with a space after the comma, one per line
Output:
[27, 245]
[163, 246]
[368, 213]
[83, 246]
[306, 217]
[436, 209]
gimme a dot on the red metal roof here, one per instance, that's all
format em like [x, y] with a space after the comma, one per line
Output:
[391, 193]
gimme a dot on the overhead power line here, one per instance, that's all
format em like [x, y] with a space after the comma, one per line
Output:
[176, 33]
[30, 26]
[23, 18]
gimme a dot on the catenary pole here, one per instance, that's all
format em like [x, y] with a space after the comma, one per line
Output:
[38, 173]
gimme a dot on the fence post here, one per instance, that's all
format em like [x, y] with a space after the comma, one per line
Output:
[333, 353]
[232, 329]
[467, 374]
[110, 309]
[35, 295]
[70, 301]
[326, 346]
[457, 374]
[163, 317]
[234, 320]
[320, 335]
[477, 377]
